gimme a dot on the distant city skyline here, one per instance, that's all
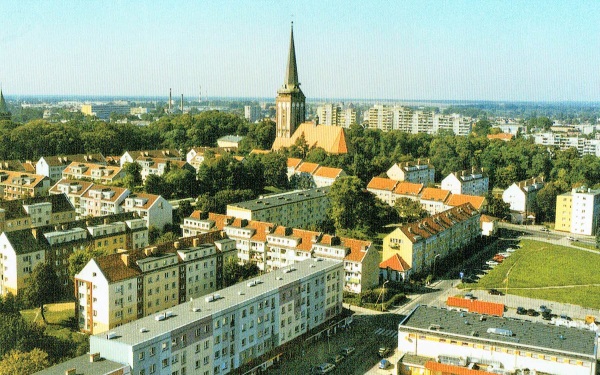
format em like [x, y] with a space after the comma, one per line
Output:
[409, 50]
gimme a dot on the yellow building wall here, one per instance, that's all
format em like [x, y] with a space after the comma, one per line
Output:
[111, 244]
[564, 204]
[397, 243]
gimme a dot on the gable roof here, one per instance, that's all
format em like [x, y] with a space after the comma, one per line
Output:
[118, 192]
[97, 158]
[437, 223]
[293, 162]
[150, 199]
[408, 188]
[381, 183]
[67, 184]
[168, 153]
[328, 172]
[14, 165]
[435, 194]
[330, 138]
[488, 219]
[459, 199]
[307, 167]
[396, 263]
[22, 178]
[24, 242]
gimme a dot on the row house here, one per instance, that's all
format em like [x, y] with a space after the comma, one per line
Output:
[449, 341]
[106, 174]
[92, 200]
[299, 208]
[132, 156]
[273, 247]
[22, 250]
[521, 197]
[577, 211]
[17, 166]
[420, 172]
[420, 243]
[473, 182]
[53, 166]
[239, 329]
[19, 185]
[35, 212]
[115, 289]
[159, 166]
[320, 176]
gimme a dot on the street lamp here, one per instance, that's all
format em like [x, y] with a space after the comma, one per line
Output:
[383, 299]
[434, 258]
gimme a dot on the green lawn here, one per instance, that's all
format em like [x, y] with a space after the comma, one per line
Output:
[59, 317]
[539, 265]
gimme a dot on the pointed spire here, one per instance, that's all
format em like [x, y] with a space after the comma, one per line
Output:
[291, 74]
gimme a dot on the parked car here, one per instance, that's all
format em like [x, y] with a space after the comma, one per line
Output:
[546, 315]
[469, 296]
[495, 292]
[565, 317]
[532, 312]
[521, 310]
[491, 263]
[347, 350]
[498, 258]
[384, 351]
[323, 368]
[337, 358]
[545, 229]
[573, 239]
[384, 364]
[543, 309]
[505, 255]
[510, 250]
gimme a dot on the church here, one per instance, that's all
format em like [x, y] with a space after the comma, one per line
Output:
[291, 115]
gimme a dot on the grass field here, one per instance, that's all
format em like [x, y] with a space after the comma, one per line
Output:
[59, 317]
[547, 271]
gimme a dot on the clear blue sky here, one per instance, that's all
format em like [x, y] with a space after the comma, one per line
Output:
[431, 50]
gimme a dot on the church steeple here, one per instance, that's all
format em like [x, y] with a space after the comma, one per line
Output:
[4, 112]
[291, 74]
[290, 101]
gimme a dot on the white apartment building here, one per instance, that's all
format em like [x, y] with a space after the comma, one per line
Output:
[159, 166]
[118, 288]
[228, 331]
[105, 174]
[521, 196]
[252, 113]
[473, 182]
[131, 156]
[584, 146]
[53, 166]
[155, 209]
[405, 119]
[585, 205]
[447, 341]
[420, 172]
[329, 114]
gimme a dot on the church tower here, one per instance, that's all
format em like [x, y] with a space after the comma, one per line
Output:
[4, 113]
[290, 101]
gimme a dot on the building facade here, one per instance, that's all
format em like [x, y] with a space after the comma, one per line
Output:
[521, 198]
[104, 174]
[473, 182]
[577, 211]
[411, 171]
[238, 328]
[53, 166]
[35, 212]
[19, 185]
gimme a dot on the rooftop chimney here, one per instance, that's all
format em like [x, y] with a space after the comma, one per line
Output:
[71, 371]
[94, 357]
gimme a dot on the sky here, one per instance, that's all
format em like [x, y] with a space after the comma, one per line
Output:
[396, 50]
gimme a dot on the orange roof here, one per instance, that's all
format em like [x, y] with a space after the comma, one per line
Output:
[150, 199]
[358, 249]
[435, 194]
[328, 172]
[260, 152]
[452, 370]
[458, 199]
[381, 183]
[307, 167]
[477, 306]
[488, 219]
[408, 188]
[293, 162]
[396, 263]
[437, 223]
[330, 138]
[66, 183]
[501, 136]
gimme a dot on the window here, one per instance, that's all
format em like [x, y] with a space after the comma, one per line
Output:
[141, 356]
[165, 362]
[152, 352]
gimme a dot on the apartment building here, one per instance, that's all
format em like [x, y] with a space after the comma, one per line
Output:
[103, 111]
[326, 176]
[420, 243]
[53, 166]
[22, 250]
[17, 166]
[231, 331]
[564, 141]
[155, 209]
[115, 289]
[19, 185]
[521, 197]
[230, 142]
[329, 114]
[577, 211]
[384, 189]
[433, 200]
[407, 120]
[473, 182]
[252, 113]
[105, 174]
[159, 166]
[420, 172]
[131, 156]
[292, 166]
[436, 340]
[273, 247]
[320, 176]
[100, 200]
[296, 209]
[35, 212]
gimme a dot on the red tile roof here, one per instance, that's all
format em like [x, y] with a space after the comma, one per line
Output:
[435, 194]
[381, 183]
[488, 219]
[501, 136]
[476, 306]
[442, 368]
[293, 162]
[307, 167]
[328, 172]
[396, 263]
[458, 199]
[358, 249]
[408, 188]
[437, 223]
[332, 139]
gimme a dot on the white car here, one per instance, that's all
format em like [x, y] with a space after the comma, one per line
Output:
[491, 263]
[323, 368]
[510, 250]
[506, 254]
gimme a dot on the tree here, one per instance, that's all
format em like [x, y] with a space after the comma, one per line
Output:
[497, 207]
[409, 210]
[79, 258]
[133, 175]
[185, 209]
[302, 181]
[275, 169]
[167, 237]
[18, 362]
[545, 203]
[233, 272]
[42, 287]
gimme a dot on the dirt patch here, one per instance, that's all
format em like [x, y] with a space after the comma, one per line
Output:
[60, 306]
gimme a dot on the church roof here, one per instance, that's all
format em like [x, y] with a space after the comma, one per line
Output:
[291, 73]
[330, 138]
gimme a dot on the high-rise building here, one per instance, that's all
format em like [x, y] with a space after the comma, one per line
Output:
[251, 113]
[328, 114]
[290, 101]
